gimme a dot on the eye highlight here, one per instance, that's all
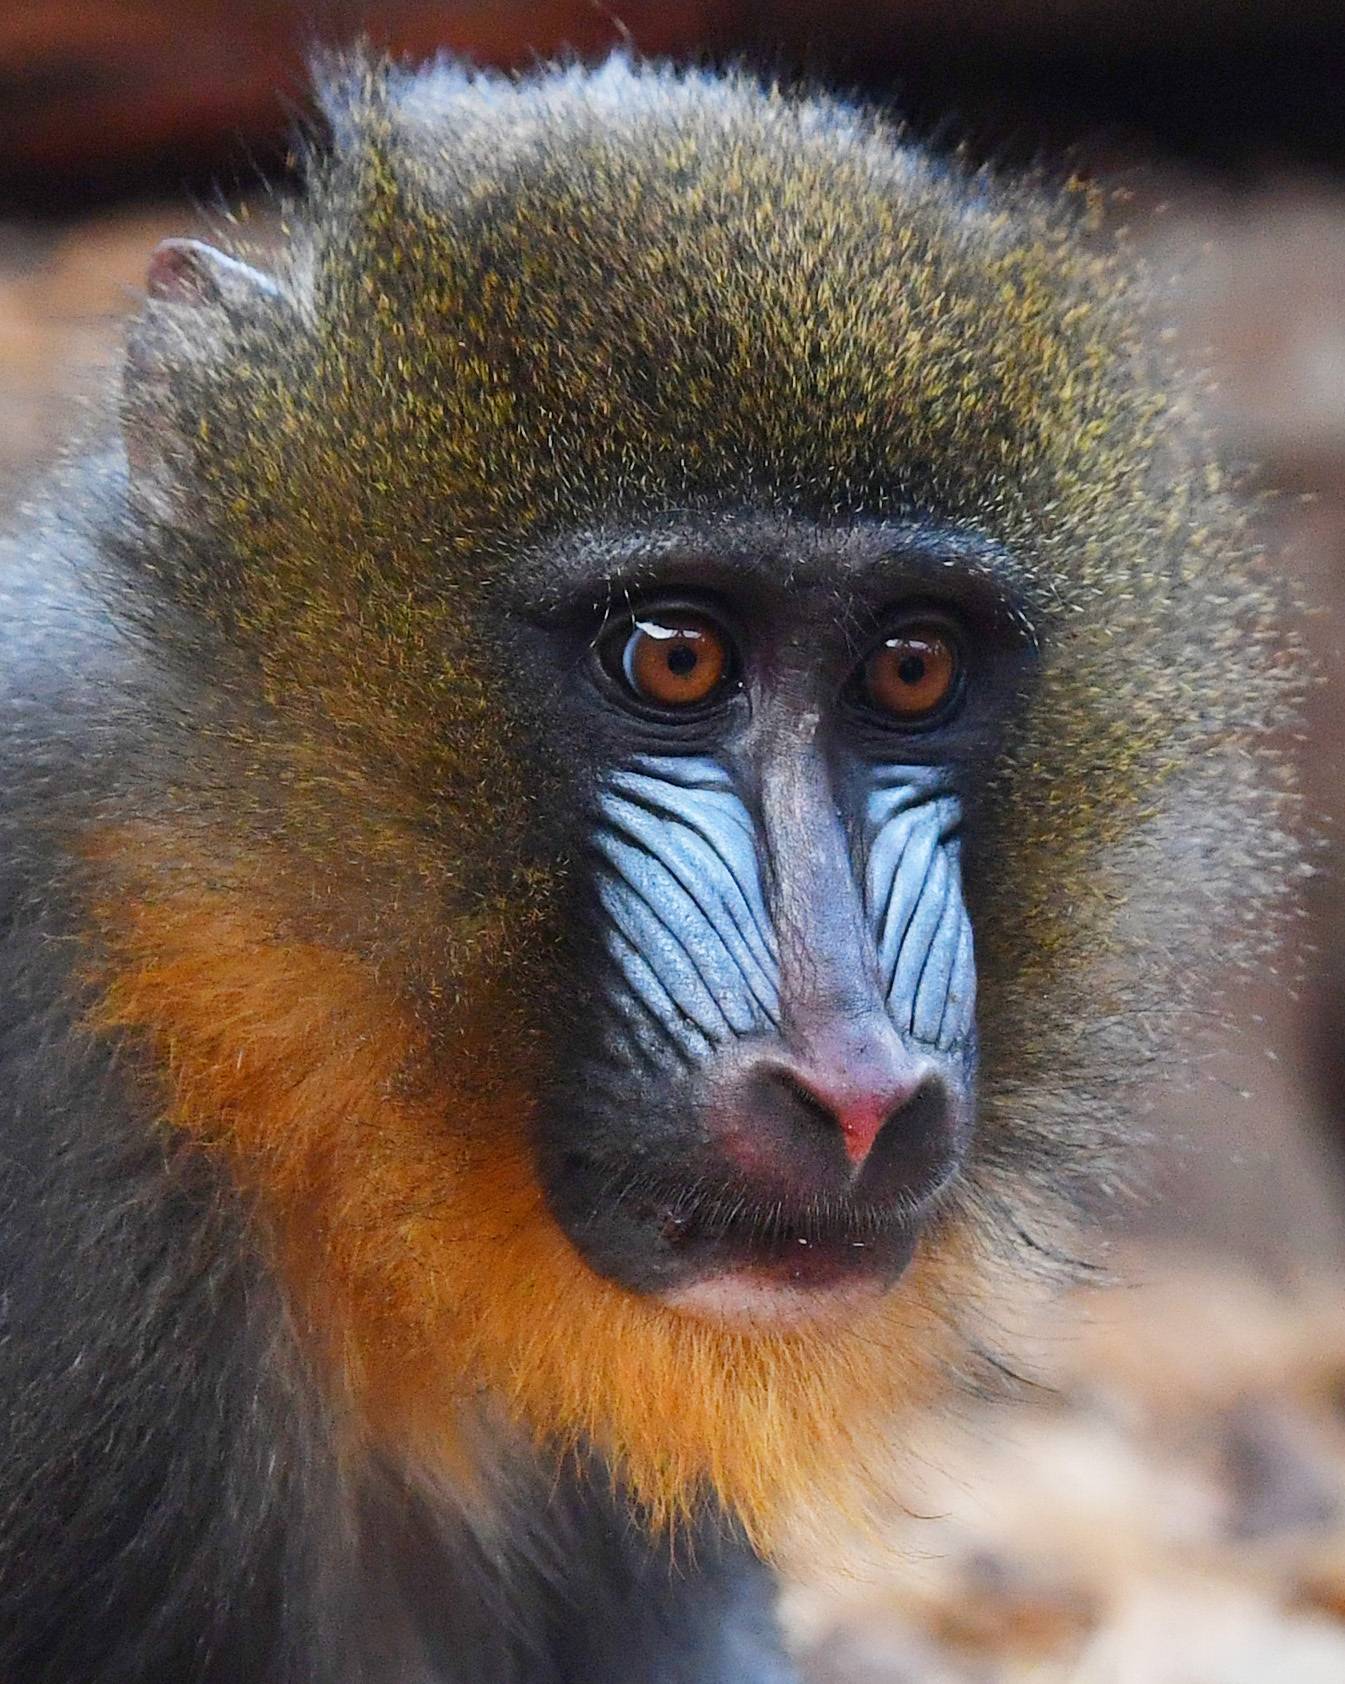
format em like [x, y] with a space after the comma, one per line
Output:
[914, 676]
[671, 658]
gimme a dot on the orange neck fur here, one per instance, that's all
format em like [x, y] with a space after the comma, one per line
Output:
[418, 1253]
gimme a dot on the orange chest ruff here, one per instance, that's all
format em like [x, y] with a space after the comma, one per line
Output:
[421, 1263]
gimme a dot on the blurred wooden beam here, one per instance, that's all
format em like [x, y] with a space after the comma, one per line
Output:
[90, 87]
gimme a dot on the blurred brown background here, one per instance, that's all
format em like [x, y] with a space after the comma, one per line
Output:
[1168, 1505]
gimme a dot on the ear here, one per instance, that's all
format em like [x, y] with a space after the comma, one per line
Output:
[191, 272]
[202, 308]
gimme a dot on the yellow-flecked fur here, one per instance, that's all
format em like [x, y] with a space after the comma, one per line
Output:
[509, 317]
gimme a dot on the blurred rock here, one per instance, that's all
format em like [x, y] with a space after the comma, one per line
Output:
[1280, 1481]
[1169, 1511]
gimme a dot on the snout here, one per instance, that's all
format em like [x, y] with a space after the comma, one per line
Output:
[825, 1154]
[790, 1178]
[784, 1090]
[841, 1113]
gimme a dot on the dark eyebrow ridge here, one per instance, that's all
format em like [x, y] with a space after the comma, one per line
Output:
[598, 571]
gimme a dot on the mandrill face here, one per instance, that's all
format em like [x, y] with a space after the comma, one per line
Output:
[764, 1081]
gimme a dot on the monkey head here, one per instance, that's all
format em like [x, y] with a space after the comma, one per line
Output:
[772, 1046]
[725, 684]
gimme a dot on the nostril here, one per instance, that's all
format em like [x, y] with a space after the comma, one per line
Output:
[917, 1144]
[804, 1098]
[859, 1104]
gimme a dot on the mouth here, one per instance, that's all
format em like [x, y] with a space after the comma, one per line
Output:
[707, 1241]
[757, 1269]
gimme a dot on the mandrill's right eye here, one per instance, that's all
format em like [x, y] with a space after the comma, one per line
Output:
[670, 658]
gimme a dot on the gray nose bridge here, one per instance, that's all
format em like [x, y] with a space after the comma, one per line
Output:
[828, 961]
[868, 917]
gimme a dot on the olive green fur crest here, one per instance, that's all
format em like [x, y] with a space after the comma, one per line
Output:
[514, 310]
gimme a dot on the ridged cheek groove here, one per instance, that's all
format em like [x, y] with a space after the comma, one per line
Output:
[913, 896]
[678, 879]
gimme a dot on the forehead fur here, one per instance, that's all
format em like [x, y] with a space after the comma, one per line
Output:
[525, 306]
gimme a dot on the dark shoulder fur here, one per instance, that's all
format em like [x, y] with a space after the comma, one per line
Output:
[158, 1437]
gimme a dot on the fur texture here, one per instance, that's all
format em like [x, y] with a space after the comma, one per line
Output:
[325, 893]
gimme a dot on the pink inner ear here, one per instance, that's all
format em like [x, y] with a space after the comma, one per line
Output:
[175, 272]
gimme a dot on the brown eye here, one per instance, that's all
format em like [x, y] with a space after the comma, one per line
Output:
[912, 675]
[674, 658]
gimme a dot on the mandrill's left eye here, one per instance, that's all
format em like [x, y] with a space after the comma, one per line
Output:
[914, 677]
[671, 658]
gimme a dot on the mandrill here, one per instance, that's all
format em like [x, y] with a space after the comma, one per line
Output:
[606, 784]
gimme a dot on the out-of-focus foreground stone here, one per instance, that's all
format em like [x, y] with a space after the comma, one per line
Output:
[1170, 1508]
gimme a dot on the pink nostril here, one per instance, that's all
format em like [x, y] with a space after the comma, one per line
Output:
[861, 1102]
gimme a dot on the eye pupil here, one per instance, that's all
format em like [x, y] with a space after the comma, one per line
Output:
[912, 669]
[682, 659]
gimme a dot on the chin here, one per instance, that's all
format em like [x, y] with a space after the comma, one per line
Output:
[750, 1300]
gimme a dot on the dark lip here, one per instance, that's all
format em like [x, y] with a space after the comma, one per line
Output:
[807, 1252]
[657, 1233]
